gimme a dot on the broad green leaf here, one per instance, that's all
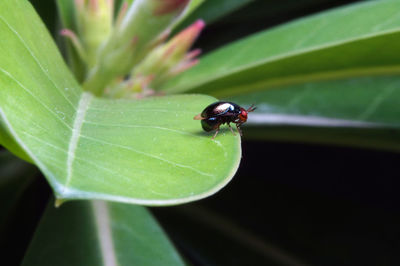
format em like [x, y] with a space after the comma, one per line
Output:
[99, 233]
[335, 69]
[141, 151]
[337, 44]
[358, 111]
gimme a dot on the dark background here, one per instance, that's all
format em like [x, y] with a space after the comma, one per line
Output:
[289, 204]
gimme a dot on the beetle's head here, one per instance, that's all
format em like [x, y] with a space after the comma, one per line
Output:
[243, 115]
[244, 112]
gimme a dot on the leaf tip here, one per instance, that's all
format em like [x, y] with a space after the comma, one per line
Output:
[58, 202]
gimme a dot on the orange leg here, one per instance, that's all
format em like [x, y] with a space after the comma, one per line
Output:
[216, 132]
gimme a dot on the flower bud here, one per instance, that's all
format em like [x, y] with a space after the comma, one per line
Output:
[94, 20]
[170, 59]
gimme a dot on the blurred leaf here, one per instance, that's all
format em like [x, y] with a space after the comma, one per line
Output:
[210, 11]
[66, 14]
[313, 73]
[360, 112]
[15, 176]
[99, 233]
[193, 228]
[19, 200]
[7, 140]
[300, 52]
[256, 16]
[147, 151]
[190, 9]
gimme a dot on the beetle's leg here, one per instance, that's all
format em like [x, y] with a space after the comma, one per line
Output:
[229, 125]
[238, 128]
[216, 132]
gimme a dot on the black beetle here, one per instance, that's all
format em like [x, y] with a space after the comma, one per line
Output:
[218, 113]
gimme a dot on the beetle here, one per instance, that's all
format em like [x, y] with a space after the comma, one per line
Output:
[218, 113]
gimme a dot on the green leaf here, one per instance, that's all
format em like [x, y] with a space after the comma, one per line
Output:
[358, 111]
[335, 69]
[8, 141]
[146, 151]
[66, 14]
[99, 233]
[315, 48]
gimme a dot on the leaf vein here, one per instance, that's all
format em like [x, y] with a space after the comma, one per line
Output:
[374, 105]
[34, 97]
[142, 126]
[149, 155]
[36, 60]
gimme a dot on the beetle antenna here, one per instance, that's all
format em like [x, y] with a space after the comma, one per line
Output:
[251, 108]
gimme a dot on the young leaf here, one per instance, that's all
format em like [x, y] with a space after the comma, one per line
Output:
[99, 233]
[145, 151]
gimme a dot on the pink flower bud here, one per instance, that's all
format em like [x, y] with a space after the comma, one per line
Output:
[182, 42]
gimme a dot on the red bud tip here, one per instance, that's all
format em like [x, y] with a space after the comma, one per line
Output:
[193, 54]
[67, 33]
[75, 41]
[184, 66]
[199, 24]
[93, 5]
[79, 4]
[186, 38]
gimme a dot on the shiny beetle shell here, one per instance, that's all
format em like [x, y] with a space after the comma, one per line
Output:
[219, 113]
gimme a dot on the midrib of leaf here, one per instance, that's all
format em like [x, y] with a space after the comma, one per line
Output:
[84, 101]
[104, 233]
[151, 156]
[83, 105]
